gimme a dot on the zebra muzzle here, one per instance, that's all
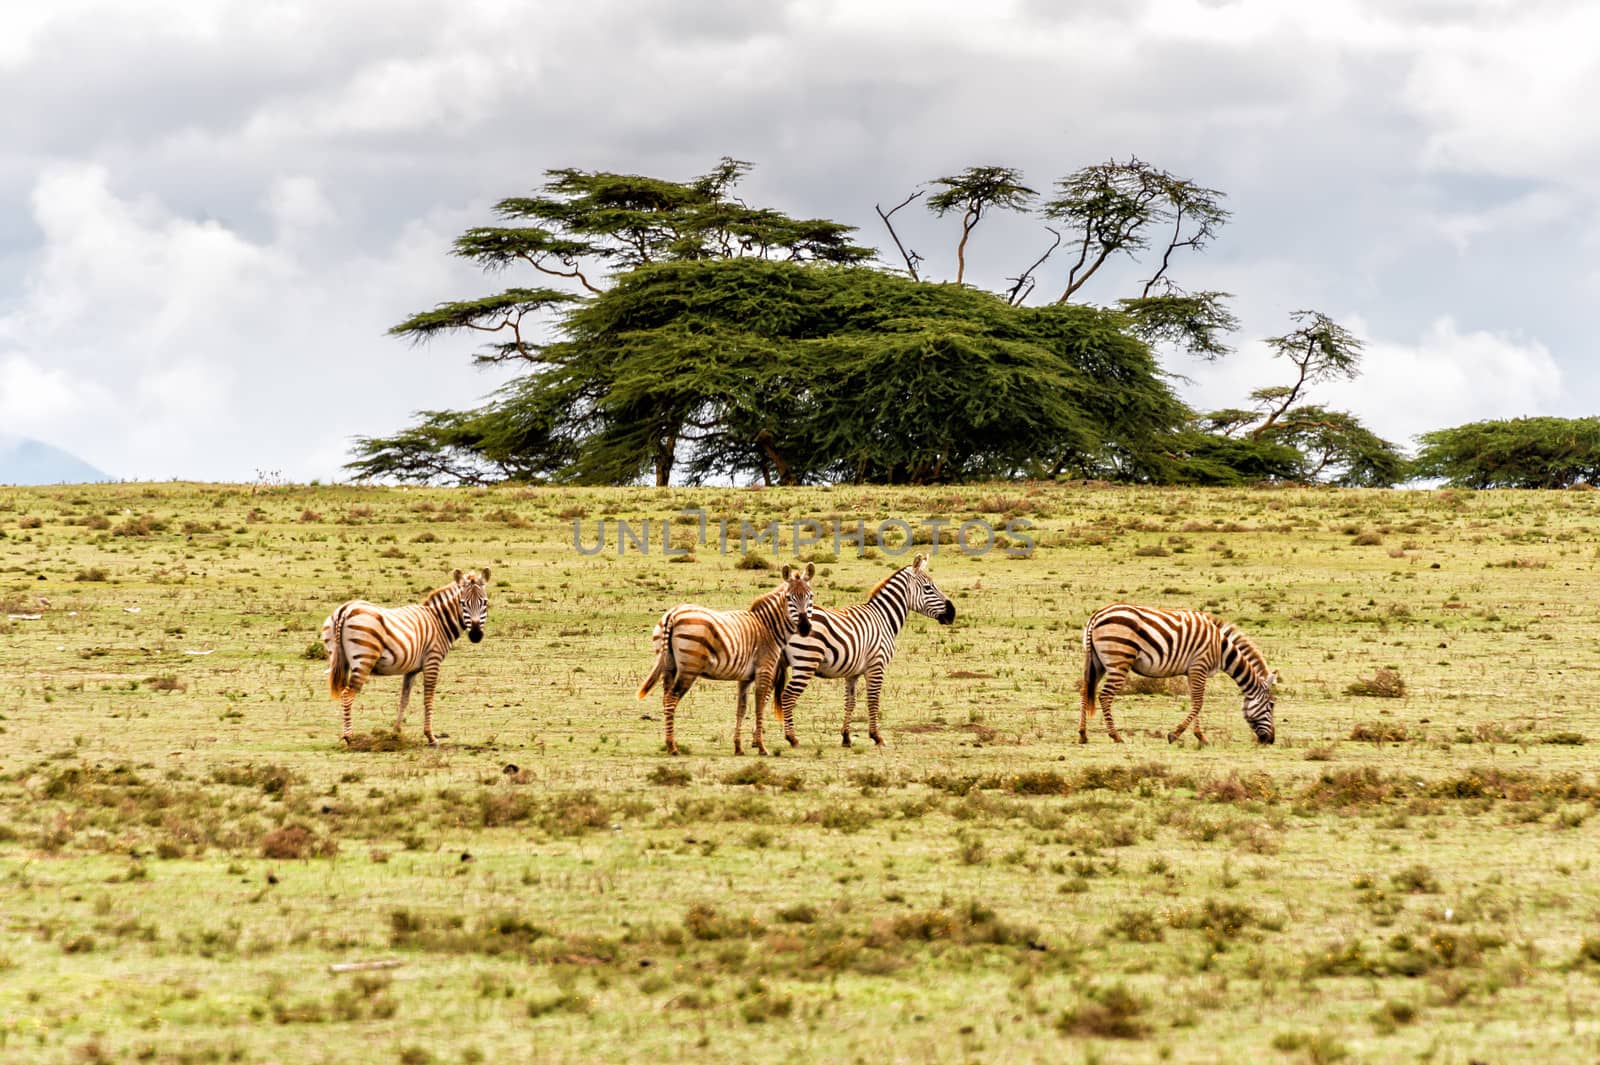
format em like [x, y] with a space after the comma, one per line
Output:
[475, 634]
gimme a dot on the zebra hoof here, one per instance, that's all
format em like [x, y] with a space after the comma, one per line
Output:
[845, 740]
[1172, 737]
[794, 741]
[1115, 738]
[876, 739]
[1083, 737]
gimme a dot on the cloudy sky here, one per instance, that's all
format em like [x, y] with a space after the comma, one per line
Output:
[212, 210]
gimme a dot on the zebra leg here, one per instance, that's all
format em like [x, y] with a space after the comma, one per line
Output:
[1115, 678]
[785, 703]
[874, 690]
[405, 697]
[1197, 697]
[764, 678]
[849, 705]
[670, 695]
[430, 679]
[346, 697]
[738, 718]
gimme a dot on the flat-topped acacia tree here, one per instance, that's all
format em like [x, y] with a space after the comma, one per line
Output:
[691, 332]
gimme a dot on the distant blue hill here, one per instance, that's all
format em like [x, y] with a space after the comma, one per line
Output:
[24, 461]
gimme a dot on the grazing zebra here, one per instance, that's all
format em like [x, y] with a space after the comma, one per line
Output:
[859, 641]
[743, 645]
[366, 640]
[1169, 643]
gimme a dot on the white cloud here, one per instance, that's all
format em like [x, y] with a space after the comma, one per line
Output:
[155, 346]
[1445, 377]
[1505, 95]
[394, 95]
[1448, 377]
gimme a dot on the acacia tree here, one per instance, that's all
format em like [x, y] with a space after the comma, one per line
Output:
[1333, 445]
[583, 227]
[1514, 453]
[974, 191]
[1320, 349]
[1098, 212]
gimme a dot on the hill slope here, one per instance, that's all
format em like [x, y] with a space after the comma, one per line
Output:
[26, 461]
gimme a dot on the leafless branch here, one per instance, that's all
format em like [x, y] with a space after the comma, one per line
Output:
[1025, 281]
[911, 258]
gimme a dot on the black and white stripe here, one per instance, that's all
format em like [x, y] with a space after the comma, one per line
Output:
[365, 640]
[1122, 638]
[743, 645]
[858, 641]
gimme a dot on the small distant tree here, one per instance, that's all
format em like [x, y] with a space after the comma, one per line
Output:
[1333, 446]
[974, 192]
[1320, 350]
[1338, 449]
[1514, 453]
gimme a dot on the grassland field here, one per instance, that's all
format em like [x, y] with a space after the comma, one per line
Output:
[187, 853]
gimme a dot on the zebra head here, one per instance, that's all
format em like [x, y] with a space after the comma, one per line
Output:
[1258, 706]
[797, 596]
[474, 602]
[926, 598]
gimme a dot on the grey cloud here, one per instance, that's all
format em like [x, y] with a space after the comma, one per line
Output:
[1335, 205]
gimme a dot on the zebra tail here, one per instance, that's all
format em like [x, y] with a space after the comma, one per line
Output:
[1093, 670]
[779, 680]
[662, 638]
[338, 664]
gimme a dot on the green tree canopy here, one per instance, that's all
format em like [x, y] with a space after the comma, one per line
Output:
[691, 334]
[1513, 453]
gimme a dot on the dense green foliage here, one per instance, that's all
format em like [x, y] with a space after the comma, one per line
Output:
[801, 372]
[713, 339]
[1514, 453]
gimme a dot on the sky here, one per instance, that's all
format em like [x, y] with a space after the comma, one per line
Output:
[212, 211]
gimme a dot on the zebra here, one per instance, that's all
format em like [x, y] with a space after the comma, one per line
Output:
[743, 645]
[367, 640]
[1166, 643]
[859, 641]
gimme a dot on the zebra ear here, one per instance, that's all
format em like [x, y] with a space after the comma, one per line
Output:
[920, 562]
[484, 573]
[458, 576]
[811, 570]
[786, 569]
[1272, 678]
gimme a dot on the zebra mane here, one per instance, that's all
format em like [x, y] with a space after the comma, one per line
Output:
[885, 581]
[443, 595]
[772, 596]
[1248, 653]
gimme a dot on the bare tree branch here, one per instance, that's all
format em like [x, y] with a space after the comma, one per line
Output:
[1018, 292]
[911, 258]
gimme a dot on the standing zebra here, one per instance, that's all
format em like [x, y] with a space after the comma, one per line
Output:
[743, 645]
[366, 640]
[859, 641]
[1169, 643]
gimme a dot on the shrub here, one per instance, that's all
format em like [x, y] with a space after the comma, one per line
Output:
[1107, 1012]
[1378, 731]
[1386, 683]
[293, 842]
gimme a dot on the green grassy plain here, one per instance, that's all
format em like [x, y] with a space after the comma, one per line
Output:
[185, 848]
